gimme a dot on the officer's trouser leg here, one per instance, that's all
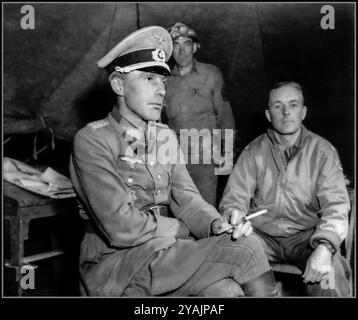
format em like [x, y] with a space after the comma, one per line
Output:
[242, 260]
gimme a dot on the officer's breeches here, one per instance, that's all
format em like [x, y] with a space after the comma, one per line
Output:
[242, 260]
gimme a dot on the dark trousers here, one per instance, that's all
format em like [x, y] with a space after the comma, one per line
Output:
[296, 250]
[205, 180]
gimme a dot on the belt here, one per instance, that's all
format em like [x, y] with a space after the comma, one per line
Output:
[159, 209]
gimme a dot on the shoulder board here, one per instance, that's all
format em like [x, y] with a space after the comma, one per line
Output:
[161, 125]
[132, 160]
[98, 124]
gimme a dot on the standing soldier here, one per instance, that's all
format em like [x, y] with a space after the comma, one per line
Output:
[196, 99]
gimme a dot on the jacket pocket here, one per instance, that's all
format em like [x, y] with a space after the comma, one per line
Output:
[134, 174]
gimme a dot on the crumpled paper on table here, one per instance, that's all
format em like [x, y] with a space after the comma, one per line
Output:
[49, 183]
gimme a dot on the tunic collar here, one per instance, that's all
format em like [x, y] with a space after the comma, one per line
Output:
[124, 118]
[133, 129]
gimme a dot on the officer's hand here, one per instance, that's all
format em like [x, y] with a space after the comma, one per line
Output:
[233, 222]
[243, 228]
[241, 225]
[318, 265]
[221, 225]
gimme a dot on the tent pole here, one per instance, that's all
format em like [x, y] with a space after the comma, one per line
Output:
[138, 15]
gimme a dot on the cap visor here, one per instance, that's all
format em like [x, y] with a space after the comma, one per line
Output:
[157, 67]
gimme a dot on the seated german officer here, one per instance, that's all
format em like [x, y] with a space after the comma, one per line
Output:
[297, 176]
[132, 247]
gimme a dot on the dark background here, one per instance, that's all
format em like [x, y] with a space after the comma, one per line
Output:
[51, 71]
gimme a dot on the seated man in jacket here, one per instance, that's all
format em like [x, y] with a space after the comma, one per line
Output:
[297, 176]
[149, 232]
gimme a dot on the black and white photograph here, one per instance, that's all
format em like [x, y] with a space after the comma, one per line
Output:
[175, 150]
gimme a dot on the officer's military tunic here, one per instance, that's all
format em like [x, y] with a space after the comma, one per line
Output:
[116, 187]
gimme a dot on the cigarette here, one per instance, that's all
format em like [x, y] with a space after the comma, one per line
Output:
[258, 213]
[255, 214]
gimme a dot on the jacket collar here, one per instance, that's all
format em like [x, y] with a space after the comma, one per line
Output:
[300, 141]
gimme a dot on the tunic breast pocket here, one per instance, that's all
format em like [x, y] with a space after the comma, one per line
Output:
[134, 173]
[163, 177]
[202, 97]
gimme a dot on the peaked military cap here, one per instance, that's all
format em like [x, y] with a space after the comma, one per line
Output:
[146, 48]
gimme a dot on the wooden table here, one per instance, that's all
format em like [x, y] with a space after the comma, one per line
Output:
[20, 208]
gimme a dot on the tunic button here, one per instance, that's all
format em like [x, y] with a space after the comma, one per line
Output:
[151, 163]
[130, 180]
[159, 176]
[131, 165]
[158, 192]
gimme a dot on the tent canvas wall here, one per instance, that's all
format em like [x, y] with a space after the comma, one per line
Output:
[50, 76]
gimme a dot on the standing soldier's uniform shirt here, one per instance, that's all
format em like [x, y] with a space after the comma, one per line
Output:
[198, 100]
